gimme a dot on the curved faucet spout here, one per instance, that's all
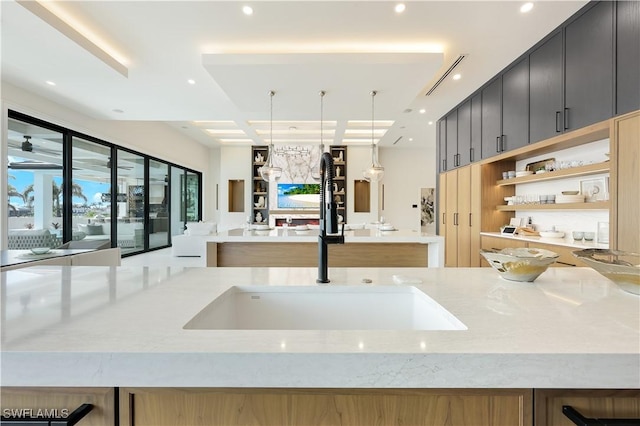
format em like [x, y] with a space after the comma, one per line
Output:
[328, 216]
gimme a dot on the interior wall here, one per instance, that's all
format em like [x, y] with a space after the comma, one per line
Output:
[406, 171]
[235, 163]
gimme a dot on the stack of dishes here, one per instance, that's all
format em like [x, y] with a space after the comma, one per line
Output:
[261, 227]
[563, 199]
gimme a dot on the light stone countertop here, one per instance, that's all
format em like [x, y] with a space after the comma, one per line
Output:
[100, 326]
[311, 235]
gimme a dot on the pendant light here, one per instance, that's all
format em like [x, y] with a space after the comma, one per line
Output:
[375, 172]
[269, 172]
[315, 170]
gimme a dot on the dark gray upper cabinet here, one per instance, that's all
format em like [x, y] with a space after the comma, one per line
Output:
[515, 106]
[627, 56]
[442, 145]
[452, 139]
[464, 134]
[545, 90]
[476, 128]
[491, 116]
[589, 67]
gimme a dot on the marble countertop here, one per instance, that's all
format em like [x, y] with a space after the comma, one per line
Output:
[100, 326]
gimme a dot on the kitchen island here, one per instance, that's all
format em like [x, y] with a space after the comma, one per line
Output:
[102, 328]
[290, 247]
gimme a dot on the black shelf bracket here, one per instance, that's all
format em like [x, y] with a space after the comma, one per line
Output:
[580, 420]
[73, 418]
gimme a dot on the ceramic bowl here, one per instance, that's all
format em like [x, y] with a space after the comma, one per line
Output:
[261, 227]
[387, 227]
[623, 268]
[551, 234]
[40, 250]
[520, 264]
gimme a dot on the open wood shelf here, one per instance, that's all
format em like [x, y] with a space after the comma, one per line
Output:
[590, 169]
[599, 205]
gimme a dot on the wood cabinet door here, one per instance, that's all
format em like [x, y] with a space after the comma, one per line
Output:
[600, 403]
[452, 216]
[464, 134]
[545, 90]
[475, 220]
[625, 176]
[589, 77]
[515, 106]
[102, 399]
[324, 407]
[442, 205]
[464, 217]
[491, 116]
[627, 56]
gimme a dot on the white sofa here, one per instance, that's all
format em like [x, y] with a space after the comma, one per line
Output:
[193, 243]
[129, 234]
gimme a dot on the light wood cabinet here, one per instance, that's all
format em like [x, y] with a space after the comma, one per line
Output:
[496, 243]
[309, 407]
[600, 404]
[625, 183]
[461, 216]
[50, 398]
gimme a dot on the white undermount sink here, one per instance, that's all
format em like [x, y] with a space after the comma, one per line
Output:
[324, 308]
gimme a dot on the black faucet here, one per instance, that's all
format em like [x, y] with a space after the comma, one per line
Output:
[328, 217]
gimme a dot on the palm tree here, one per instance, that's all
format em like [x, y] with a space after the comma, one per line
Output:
[76, 191]
[26, 195]
[13, 192]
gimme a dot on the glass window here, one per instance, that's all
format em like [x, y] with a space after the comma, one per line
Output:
[130, 199]
[91, 176]
[34, 186]
[158, 204]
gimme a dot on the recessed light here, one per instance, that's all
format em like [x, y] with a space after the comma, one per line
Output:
[400, 7]
[526, 7]
[430, 123]
[191, 81]
[50, 83]
[456, 77]
[422, 110]
[247, 10]
[410, 139]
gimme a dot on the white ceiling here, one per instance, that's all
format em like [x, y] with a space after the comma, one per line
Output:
[295, 48]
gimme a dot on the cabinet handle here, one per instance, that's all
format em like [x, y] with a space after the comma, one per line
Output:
[457, 160]
[472, 155]
[566, 119]
[444, 215]
[580, 420]
[455, 219]
[502, 137]
[70, 420]
[444, 164]
[497, 143]
[469, 220]
[558, 129]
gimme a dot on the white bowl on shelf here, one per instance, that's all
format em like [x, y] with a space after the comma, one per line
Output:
[551, 234]
[524, 173]
[261, 227]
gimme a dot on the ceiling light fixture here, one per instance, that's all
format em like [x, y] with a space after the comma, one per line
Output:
[375, 172]
[526, 7]
[422, 111]
[269, 172]
[191, 81]
[400, 7]
[315, 170]
[247, 10]
[50, 83]
[456, 77]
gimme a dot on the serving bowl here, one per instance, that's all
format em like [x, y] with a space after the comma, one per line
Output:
[520, 264]
[551, 234]
[623, 268]
[40, 250]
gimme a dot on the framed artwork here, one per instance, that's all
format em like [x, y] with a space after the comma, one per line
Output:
[427, 209]
[594, 189]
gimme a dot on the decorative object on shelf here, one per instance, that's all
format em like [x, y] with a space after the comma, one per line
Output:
[338, 171]
[293, 151]
[536, 166]
[258, 217]
[375, 172]
[594, 189]
[259, 158]
[315, 170]
[269, 172]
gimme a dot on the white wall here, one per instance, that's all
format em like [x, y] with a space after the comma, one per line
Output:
[235, 163]
[406, 171]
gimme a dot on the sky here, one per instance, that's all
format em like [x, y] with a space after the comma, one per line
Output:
[21, 179]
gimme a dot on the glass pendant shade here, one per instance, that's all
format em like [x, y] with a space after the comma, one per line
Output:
[269, 172]
[375, 172]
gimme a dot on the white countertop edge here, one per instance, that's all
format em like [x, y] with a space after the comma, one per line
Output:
[606, 371]
[566, 241]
